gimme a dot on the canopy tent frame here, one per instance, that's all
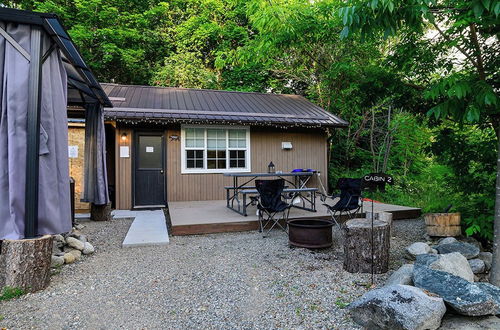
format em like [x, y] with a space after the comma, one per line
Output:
[80, 80]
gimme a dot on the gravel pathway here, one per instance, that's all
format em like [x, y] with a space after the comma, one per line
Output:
[223, 281]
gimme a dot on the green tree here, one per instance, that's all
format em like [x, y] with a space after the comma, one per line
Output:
[462, 36]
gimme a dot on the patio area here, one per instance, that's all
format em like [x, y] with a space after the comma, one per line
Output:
[203, 217]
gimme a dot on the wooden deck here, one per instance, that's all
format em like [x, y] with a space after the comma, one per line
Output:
[204, 217]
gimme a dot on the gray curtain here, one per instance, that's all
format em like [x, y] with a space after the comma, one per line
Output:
[95, 188]
[54, 208]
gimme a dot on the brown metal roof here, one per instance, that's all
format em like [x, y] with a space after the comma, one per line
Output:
[166, 104]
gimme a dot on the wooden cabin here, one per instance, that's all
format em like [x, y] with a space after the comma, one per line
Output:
[174, 144]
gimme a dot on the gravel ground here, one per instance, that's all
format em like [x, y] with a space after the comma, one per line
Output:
[223, 281]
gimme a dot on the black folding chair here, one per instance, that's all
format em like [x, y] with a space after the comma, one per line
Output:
[350, 201]
[270, 203]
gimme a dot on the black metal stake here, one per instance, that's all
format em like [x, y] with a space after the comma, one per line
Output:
[373, 215]
[33, 134]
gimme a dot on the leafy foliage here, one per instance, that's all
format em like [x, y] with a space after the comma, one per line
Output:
[11, 293]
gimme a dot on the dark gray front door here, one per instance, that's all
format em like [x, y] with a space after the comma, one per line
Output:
[149, 170]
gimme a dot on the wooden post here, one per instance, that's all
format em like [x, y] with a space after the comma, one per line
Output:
[443, 224]
[357, 246]
[25, 264]
[100, 212]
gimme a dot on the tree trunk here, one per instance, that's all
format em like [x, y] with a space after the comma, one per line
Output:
[358, 246]
[100, 212]
[495, 266]
[25, 264]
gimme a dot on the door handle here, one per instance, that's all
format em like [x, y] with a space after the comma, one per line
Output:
[161, 171]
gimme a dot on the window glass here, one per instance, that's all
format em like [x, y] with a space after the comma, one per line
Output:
[195, 138]
[237, 158]
[237, 138]
[194, 158]
[215, 148]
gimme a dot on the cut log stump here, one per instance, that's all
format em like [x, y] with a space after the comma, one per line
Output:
[100, 212]
[25, 264]
[357, 246]
[443, 224]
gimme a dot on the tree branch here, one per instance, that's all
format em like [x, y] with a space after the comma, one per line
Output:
[456, 46]
[479, 58]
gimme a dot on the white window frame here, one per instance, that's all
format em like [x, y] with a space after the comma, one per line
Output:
[205, 170]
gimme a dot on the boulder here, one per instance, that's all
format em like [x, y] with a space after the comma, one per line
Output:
[401, 276]
[460, 322]
[466, 249]
[69, 258]
[453, 263]
[416, 249]
[57, 261]
[88, 248]
[56, 247]
[487, 257]
[82, 238]
[75, 243]
[397, 307]
[466, 298]
[473, 241]
[477, 266]
[447, 240]
[59, 238]
[76, 253]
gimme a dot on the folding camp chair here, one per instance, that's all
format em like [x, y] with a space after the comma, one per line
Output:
[270, 203]
[350, 201]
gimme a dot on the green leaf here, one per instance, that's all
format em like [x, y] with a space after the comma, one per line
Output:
[478, 9]
[490, 98]
[473, 115]
[486, 4]
[344, 33]
[390, 6]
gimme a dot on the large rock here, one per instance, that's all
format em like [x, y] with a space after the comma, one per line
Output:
[466, 298]
[453, 263]
[76, 253]
[477, 266]
[57, 261]
[398, 307]
[88, 248]
[447, 240]
[75, 243]
[69, 258]
[487, 257]
[416, 249]
[401, 276]
[460, 322]
[468, 250]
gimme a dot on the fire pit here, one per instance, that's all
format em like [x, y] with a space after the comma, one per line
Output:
[310, 233]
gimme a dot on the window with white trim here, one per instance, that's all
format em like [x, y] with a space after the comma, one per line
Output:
[215, 149]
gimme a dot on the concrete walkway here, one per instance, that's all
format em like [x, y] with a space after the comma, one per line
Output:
[148, 228]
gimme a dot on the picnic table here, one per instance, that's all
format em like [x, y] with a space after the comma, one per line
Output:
[297, 182]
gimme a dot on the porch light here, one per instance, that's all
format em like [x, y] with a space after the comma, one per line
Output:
[271, 168]
[124, 137]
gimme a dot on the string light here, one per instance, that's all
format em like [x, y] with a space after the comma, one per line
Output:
[163, 121]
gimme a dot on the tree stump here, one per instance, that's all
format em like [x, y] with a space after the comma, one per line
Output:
[25, 264]
[443, 224]
[357, 246]
[100, 212]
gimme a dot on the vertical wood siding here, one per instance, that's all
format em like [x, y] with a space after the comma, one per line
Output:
[123, 170]
[309, 151]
